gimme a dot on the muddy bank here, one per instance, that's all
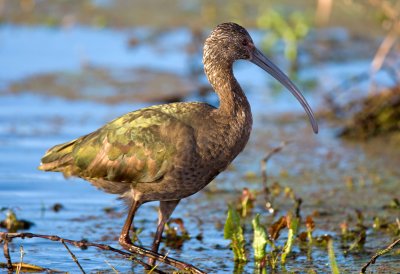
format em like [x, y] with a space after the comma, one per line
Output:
[376, 115]
[109, 85]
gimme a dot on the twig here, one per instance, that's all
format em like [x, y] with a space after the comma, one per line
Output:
[378, 254]
[7, 254]
[73, 257]
[264, 162]
[167, 260]
[383, 50]
[8, 236]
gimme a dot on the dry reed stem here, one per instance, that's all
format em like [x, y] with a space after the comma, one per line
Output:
[264, 175]
[384, 50]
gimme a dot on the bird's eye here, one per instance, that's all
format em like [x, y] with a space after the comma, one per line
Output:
[245, 42]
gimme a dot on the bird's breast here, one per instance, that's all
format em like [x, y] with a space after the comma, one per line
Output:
[223, 140]
[200, 159]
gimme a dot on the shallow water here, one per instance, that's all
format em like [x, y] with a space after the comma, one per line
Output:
[315, 166]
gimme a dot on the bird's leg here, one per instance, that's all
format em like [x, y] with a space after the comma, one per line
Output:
[164, 212]
[124, 238]
[126, 242]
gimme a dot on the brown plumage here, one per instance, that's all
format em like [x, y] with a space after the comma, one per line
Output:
[168, 152]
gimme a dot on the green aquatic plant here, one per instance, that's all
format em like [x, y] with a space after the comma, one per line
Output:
[356, 236]
[292, 224]
[393, 204]
[383, 224]
[233, 231]
[332, 258]
[260, 241]
[359, 241]
[274, 233]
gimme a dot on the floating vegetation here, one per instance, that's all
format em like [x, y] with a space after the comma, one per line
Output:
[393, 204]
[57, 207]
[175, 236]
[13, 224]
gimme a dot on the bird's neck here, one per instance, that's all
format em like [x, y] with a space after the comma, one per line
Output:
[233, 101]
[233, 117]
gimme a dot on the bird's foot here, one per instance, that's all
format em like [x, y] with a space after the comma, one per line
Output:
[127, 244]
[152, 261]
[125, 241]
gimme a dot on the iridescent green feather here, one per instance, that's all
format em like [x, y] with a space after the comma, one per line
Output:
[131, 148]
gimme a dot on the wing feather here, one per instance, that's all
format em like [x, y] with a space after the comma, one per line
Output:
[135, 147]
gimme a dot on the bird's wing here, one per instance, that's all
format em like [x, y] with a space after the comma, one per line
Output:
[137, 147]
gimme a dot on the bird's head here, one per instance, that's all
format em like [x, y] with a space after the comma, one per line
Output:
[229, 42]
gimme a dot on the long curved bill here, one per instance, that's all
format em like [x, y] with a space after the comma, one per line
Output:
[263, 62]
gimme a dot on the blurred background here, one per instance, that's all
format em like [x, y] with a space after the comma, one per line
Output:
[67, 67]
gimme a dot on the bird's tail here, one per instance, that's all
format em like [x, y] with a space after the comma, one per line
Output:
[58, 158]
